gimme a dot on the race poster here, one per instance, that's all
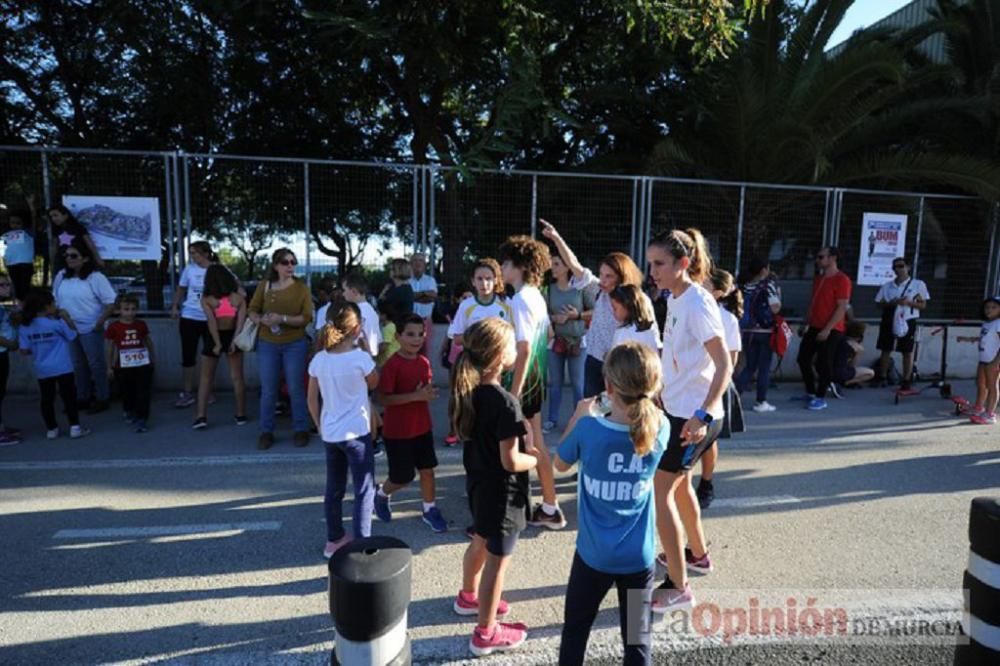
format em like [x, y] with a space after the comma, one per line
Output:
[121, 227]
[883, 238]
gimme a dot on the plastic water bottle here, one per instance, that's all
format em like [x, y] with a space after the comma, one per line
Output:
[601, 405]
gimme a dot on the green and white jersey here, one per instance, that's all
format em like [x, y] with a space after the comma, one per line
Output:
[530, 316]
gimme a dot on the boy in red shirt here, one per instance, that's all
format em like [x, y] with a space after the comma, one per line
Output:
[130, 361]
[826, 319]
[404, 389]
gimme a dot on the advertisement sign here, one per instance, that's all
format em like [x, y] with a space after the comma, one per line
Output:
[883, 238]
[121, 227]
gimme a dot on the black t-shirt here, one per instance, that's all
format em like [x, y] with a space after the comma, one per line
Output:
[499, 499]
[400, 299]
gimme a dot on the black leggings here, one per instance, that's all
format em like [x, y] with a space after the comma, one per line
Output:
[4, 374]
[135, 385]
[66, 386]
[192, 332]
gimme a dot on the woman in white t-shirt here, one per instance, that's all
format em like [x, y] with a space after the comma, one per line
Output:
[193, 321]
[696, 371]
[89, 299]
[636, 319]
[616, 269]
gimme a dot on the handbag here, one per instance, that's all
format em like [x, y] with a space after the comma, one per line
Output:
[900, 325]
[246, 339]
[564, 347]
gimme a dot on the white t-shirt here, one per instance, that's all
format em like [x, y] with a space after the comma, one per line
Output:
[692, 320]
[530, 315]
[471, 310]
[731, 325]
[371, 329]
[650, 337]
[424, 283]
[84, 300]
[989, 341]
[193, 279]
[890, 291]
[342, 384]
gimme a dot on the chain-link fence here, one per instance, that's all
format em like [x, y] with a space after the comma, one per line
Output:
[340, 215]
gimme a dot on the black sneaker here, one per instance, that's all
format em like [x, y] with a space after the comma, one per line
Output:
[555, 521]
[705, 493]
[241, 420]
[200, 423]
[265, 441]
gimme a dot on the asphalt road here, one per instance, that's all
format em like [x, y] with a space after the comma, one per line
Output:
[192, 547]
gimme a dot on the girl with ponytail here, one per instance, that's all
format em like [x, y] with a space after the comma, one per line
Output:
[343, 374]
[497, 455]
[696, 371]
[618, 456]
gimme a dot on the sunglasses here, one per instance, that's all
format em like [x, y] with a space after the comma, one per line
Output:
[289, 262]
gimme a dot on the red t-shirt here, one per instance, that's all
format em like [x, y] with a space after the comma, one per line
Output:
[129, 338]
[404, 375]
[825, 294]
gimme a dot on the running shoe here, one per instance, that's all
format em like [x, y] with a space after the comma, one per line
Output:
[184, 399]
[76, 432]
[265, 441]
[241, 420]
[816, 404]
[554, 521]
[127, 417]
[983, 419]
[434, 519]
[140, 426]
[52, 434]
[702, 565]
[836, 391]
[503, 637]
[548, 427]
[668, 598]
[468, 604]
[333, 546]
[300, 438]
[8, 440]
[451, 440]
[12, 432]
[762, 407]
[969, 409]
[705, 493]
[383, 508]
[200, 423]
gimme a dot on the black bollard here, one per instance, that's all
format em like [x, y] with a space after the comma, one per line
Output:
[981, 616]
[369, 597]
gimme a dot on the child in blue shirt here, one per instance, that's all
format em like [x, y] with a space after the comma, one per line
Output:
[8, 343]
[45, 334]
[618, 454]
[19, 252]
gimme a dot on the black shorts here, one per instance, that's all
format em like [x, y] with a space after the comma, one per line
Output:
[888, 342]
[20, 278]
[497, 516]
[680, 458]
[192, 331]
[225, 337]
[531, 401]
[406, 456]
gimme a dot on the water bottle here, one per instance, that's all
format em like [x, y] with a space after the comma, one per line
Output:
[601, 405]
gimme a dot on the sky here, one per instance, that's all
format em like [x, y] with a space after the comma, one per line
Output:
[863, 13]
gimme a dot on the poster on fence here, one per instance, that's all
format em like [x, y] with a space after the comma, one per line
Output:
[883, 238]
[122, 227]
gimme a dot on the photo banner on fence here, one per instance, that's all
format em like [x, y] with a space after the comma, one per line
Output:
[883, 238]
[121, 227]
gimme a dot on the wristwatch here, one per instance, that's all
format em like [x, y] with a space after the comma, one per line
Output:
[703, 416]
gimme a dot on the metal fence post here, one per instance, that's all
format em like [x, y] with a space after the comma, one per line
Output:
[633, 245]
[182, 240]
[168, 194]
[47, 197]
[534, 205]
[640, 217]
[920, 229]
[647, 231]
[306, 220]
[431, 244]
[187, 199]
[739, 228]
[416, 206]
[992, 286]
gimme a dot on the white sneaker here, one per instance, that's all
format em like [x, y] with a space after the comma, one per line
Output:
[76, 432]
[764, 407]
[52, 434]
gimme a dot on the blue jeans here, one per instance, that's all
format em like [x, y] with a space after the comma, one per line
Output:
[593, 377]
[272, 358]
[358, 455]
[557, 363]
[89, 367]
[757, 355]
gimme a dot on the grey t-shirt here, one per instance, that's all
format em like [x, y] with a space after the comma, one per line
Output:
[557, 300]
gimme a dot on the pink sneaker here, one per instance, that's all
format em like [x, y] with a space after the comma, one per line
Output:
[982, 418]
[668, 598]
[702, 565]
[467, 604]
[333, 546]
[504, 637]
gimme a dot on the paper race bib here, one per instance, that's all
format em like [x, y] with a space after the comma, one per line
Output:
[133, 358]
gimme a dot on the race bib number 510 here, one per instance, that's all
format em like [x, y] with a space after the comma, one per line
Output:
[133, 358]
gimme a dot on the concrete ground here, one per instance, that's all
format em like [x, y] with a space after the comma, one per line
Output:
[193, 547]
